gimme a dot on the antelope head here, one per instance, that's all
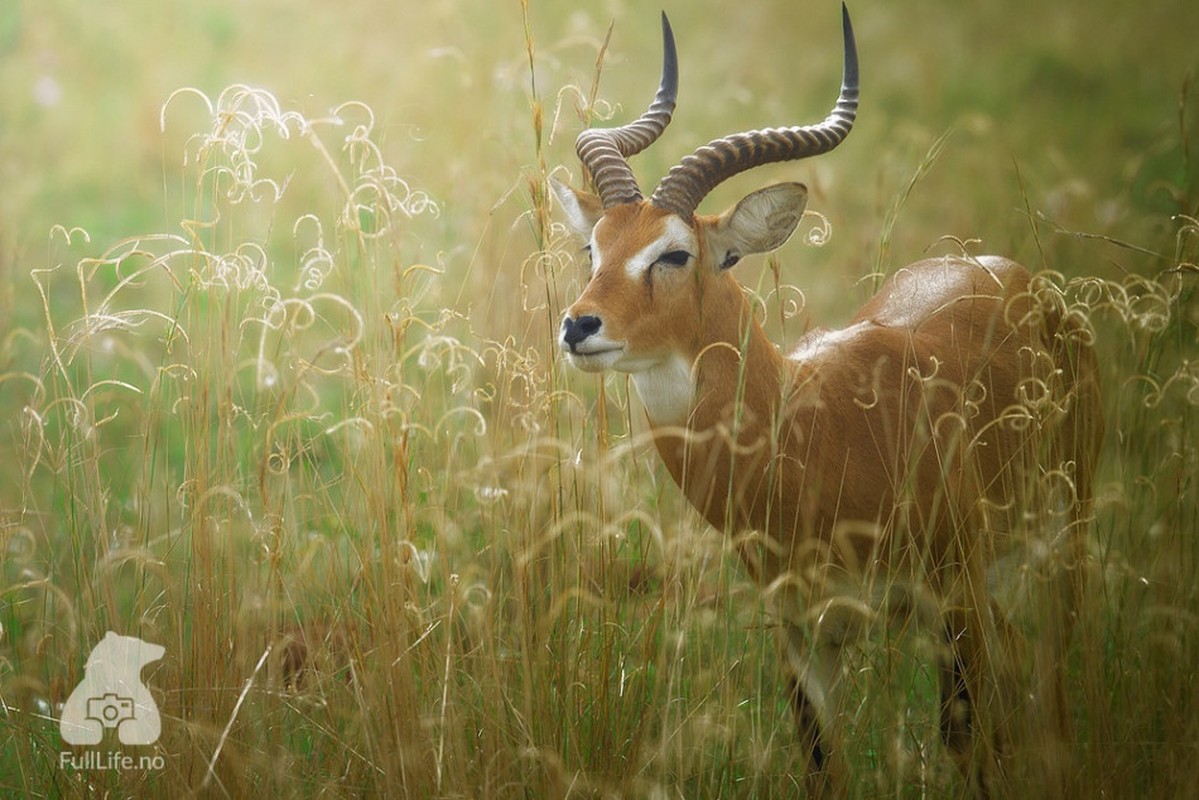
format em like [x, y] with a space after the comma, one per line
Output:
[660, 286]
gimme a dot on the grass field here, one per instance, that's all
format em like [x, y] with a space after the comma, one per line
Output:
[279, 289]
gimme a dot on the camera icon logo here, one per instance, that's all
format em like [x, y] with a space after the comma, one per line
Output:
[110, 710]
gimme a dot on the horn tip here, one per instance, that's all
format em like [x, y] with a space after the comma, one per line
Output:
[850, 77]
[670, 57]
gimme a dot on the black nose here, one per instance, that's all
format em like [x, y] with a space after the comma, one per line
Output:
[576, 330]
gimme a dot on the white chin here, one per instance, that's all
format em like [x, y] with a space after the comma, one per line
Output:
[594, 362]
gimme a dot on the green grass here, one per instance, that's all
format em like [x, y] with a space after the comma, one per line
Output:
[236, 422]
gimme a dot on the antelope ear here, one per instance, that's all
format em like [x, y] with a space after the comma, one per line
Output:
[582, 209]
[764, 220]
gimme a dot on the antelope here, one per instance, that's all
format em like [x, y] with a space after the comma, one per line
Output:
[935, 451]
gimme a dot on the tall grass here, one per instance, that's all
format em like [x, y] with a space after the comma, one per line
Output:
[303, 424]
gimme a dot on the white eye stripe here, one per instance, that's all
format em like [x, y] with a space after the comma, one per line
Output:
[676, 235]
[593, 255]
[676, 238]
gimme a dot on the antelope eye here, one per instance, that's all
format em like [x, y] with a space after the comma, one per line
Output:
[675, 258]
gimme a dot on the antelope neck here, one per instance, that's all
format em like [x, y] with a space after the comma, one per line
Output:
[732, 372]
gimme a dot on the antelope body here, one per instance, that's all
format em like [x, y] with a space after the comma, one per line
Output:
[940, 445]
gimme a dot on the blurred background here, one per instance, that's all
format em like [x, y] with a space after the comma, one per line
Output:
[1071, 109]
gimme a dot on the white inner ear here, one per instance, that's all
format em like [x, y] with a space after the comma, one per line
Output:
[582, 210]
[762, 221]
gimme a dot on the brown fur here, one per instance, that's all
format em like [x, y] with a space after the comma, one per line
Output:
[912, 446]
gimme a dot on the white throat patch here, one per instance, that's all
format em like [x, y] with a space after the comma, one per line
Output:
[666, 391]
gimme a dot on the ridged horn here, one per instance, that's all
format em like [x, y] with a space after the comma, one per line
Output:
[604, 151]
[695, 176]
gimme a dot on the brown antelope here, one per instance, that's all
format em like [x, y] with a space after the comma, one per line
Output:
[935, 451]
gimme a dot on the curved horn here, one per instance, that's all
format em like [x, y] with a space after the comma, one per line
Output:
[604, 151]
[690, 181]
